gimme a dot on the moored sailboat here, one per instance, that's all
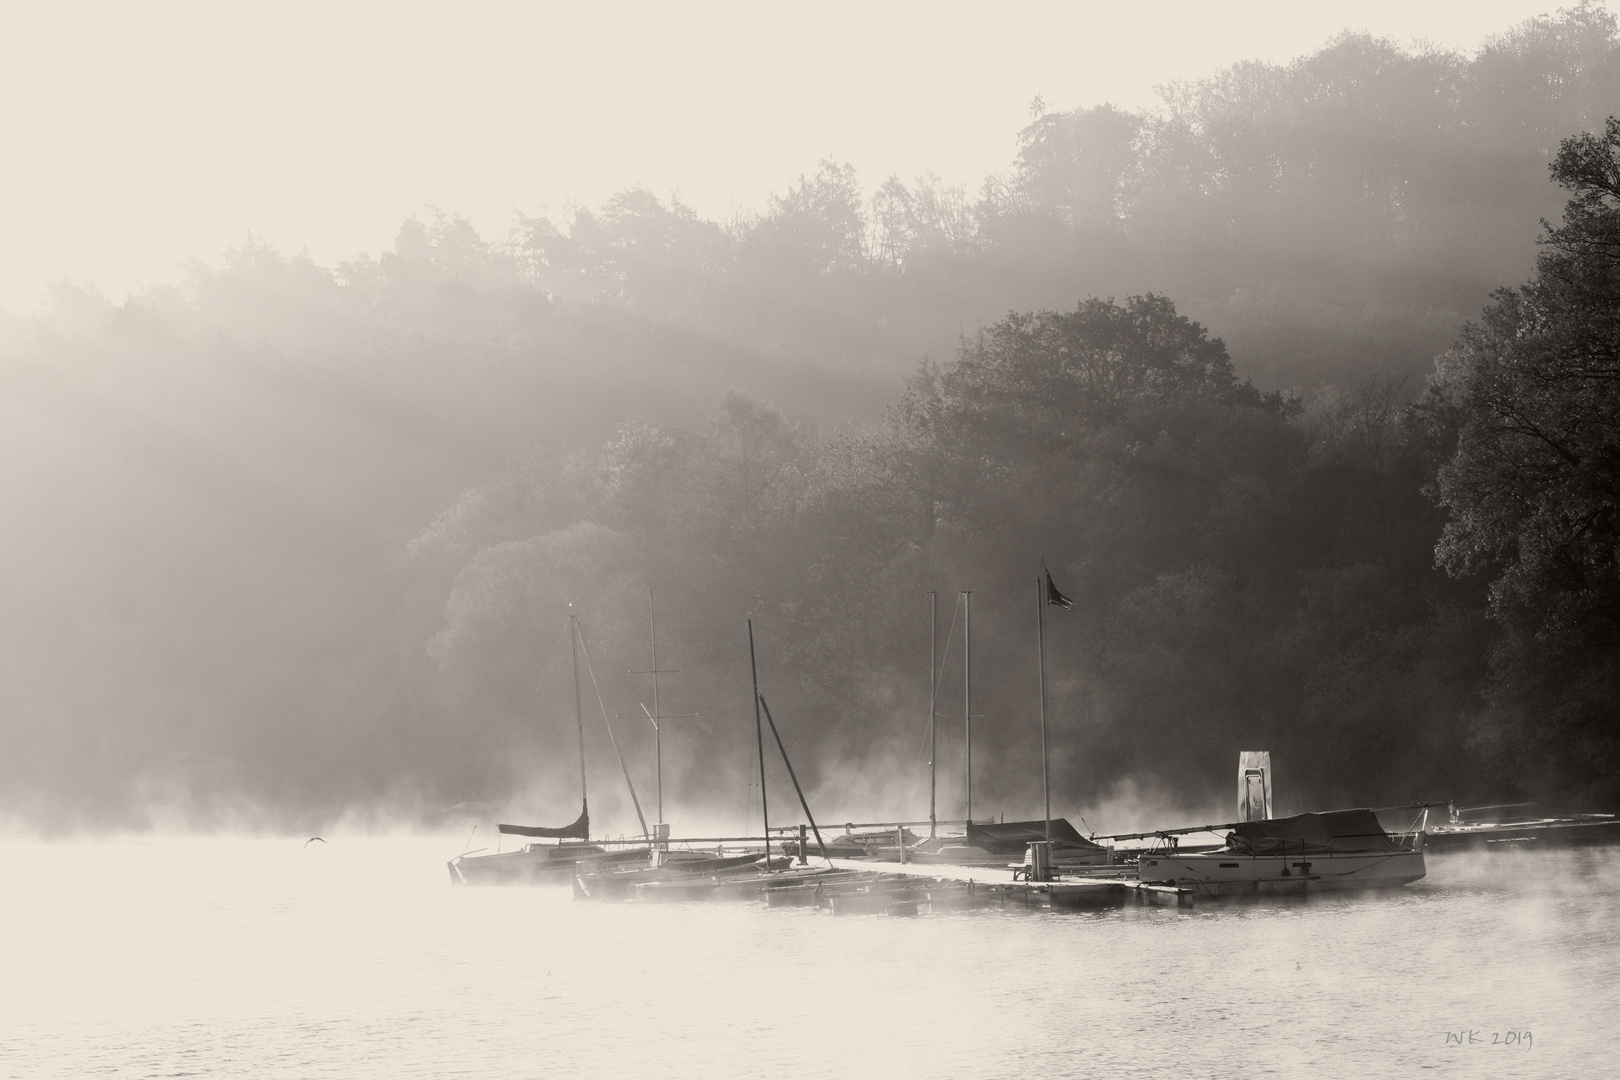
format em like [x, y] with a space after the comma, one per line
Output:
[1334, 851]
[550, 863]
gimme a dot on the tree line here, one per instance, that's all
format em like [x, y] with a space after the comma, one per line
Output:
[1401, 601]
[295, 536]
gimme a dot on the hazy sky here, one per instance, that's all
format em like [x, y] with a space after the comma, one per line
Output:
[137, 136]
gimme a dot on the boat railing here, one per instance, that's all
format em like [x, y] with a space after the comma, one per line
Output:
[850, 826]
[642, 841]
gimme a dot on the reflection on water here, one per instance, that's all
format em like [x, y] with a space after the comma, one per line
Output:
[356, 958]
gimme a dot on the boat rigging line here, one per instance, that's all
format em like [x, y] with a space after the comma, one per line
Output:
[611, 737]
[967, 696]
[551, 659]
[656, 714]
[930, 741]
[579, 716]
[759, 735]
[936, 675]
[794, 777]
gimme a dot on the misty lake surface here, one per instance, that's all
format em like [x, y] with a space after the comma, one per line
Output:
[266, 958]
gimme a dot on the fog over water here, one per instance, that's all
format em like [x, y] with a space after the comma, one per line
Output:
[256, 957]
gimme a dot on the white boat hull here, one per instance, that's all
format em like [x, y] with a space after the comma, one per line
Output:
[1226, 874]
[532, 864]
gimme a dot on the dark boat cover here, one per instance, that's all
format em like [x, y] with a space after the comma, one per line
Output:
[579, 830]
[1012, 837]
[1304, 834]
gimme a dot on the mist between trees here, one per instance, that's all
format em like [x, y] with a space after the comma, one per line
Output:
[301, 538]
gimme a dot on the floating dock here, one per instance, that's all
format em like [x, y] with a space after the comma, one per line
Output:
[1586, 830]
[871, 887]
[989, 886]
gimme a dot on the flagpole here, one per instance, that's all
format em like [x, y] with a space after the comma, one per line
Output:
[579, 715]
[1040, 624]
[967, 693]
[658, 734]
[933, 715]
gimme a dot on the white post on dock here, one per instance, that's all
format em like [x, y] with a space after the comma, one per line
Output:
[1038, 861]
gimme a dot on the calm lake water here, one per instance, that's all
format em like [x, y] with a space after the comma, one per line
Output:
[265, 958]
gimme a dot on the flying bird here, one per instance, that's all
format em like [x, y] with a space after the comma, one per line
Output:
[311, 840]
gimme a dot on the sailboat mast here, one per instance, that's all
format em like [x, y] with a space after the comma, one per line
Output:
[579, 714]
[967, 692]
[759, 735]
[1040, 631]
[933, 714]
[658, 731]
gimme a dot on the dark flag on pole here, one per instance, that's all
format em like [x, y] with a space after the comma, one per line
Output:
[1048, 595]
[1052, 594]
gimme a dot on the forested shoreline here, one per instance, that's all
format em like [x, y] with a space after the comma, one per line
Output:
[289, 539]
